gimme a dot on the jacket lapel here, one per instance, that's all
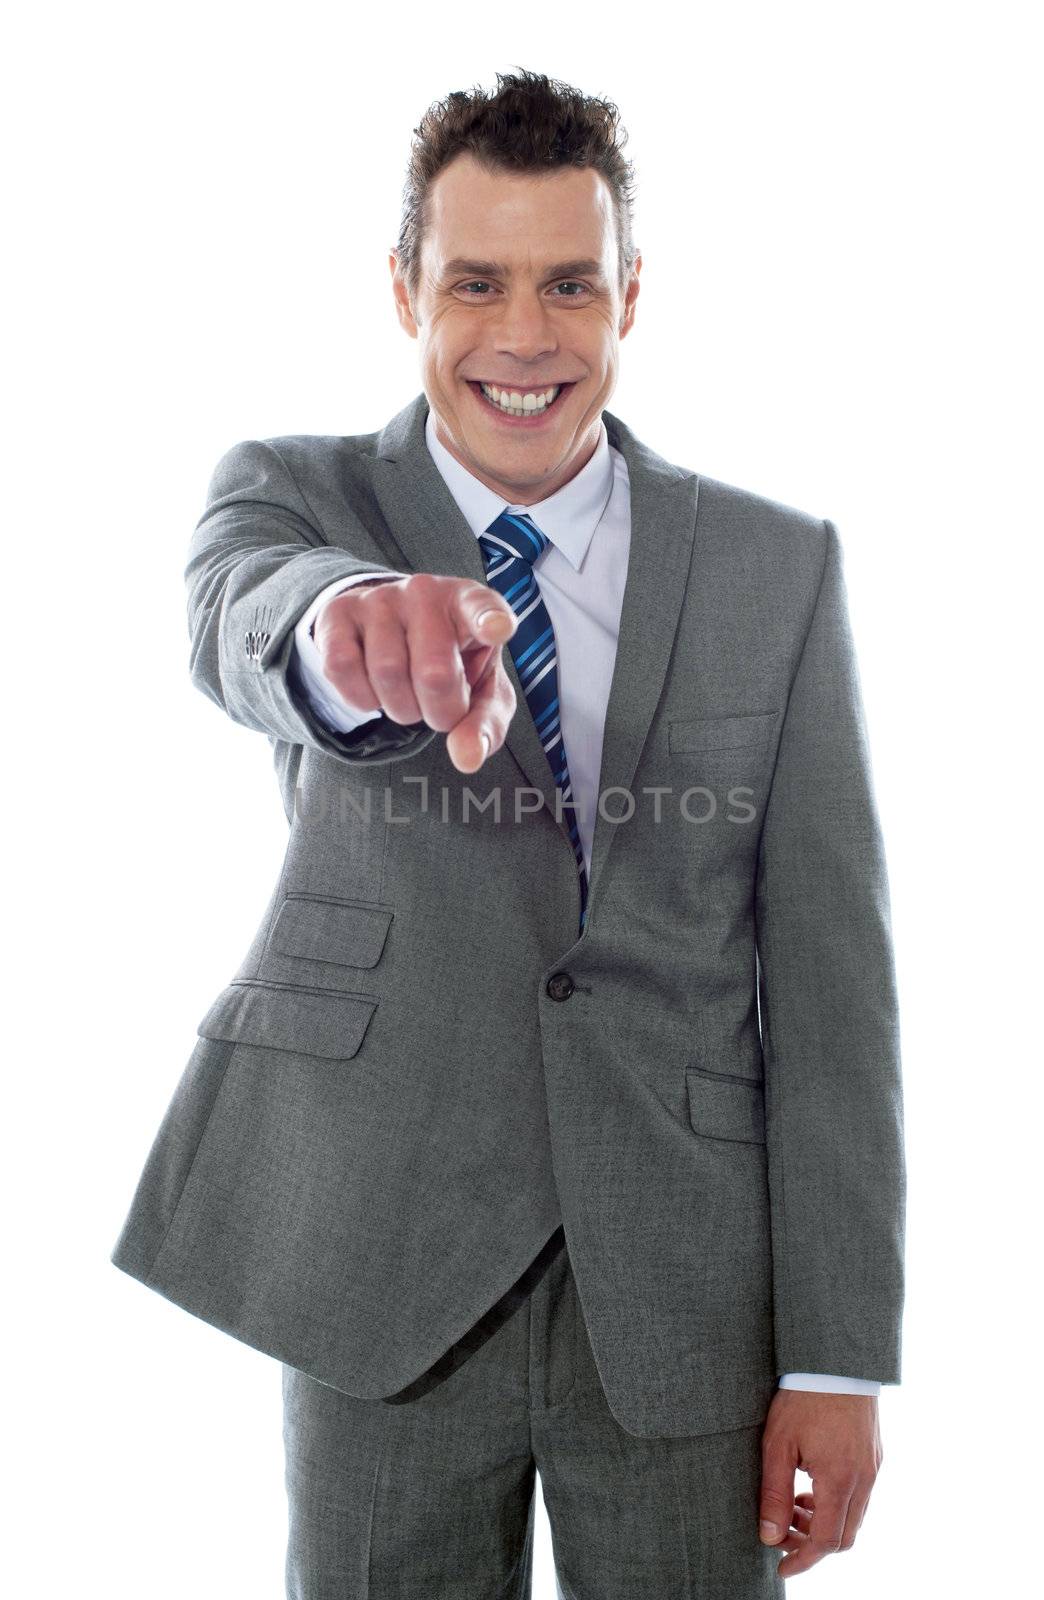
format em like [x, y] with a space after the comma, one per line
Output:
[663, 528]
[428, 526]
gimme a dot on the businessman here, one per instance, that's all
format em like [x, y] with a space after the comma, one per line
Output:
[553, 1118]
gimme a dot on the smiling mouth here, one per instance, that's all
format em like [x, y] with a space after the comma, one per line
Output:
[519, 405]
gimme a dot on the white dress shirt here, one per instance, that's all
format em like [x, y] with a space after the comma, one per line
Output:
[581, 576]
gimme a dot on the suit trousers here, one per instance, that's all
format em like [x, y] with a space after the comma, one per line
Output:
[431, 1492]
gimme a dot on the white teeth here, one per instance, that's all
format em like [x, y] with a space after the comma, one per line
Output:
[518, 404]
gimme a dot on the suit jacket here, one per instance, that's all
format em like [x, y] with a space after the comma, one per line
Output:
[419, 1070]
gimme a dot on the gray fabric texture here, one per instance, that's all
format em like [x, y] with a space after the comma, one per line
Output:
[436, 1496]
[387, 1112]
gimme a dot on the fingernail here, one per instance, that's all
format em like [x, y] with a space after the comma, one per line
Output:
[485, 743]
[769, 1530]
[484, 616]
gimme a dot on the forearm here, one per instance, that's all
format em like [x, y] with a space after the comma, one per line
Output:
[257, 561]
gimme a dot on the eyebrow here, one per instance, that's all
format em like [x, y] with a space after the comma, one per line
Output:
[496, 269]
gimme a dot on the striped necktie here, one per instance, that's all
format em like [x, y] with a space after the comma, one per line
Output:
[510, 546]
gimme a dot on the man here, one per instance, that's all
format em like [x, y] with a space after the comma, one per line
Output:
[551, 1123]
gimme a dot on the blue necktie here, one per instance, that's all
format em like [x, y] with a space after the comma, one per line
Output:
[510, 546]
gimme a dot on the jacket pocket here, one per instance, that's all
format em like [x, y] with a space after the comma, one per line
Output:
[724, 1107]
[283, 1016]
[344, 932]
[720, 733]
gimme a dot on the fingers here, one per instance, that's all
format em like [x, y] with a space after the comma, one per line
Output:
[482, 615]
[484, 727]
[418, 649]
[797, 1536]
[457, 674]
[826, 1531]
[777, 1488]
[855, 1514]
[338, 632]
[433, 684]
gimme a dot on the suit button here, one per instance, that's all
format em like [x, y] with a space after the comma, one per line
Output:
[560, 986]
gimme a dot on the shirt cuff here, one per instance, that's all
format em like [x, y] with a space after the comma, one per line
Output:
[325, 700]
[828, 1383]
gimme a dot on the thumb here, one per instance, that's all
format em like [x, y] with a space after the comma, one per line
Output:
[777, 1500]
[481, 614]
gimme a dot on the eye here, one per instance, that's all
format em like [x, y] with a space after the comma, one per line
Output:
[482, 283]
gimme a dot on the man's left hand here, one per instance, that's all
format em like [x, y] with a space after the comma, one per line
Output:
[836, 1439]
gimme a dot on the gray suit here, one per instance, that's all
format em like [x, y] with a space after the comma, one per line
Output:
[419, 1072]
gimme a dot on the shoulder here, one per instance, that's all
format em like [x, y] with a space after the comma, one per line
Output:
[771, 537]
[304, 452]
[314, 455]
[746, 508]
[308, 464]
[762, 530]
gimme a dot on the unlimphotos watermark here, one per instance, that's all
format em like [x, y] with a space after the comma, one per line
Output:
[697, 804]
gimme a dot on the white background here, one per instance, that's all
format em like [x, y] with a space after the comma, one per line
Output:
[839, 309]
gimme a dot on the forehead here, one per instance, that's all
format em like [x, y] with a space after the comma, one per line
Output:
[525, 220]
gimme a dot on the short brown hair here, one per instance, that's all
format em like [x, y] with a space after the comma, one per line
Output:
[531, 123]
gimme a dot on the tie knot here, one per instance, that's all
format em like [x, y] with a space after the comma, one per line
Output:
[514, 533]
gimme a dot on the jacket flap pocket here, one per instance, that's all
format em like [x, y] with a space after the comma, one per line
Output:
[726, 1108]
[720, 733]
[352, 934]
[309, 1022]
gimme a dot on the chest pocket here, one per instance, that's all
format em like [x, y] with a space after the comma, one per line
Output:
[721, 733]
[325, 941]
[349, 933]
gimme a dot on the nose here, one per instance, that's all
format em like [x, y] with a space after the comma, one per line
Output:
[524, 329]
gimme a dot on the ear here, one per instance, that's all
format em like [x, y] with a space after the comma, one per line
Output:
[630, 297]
[403, 309]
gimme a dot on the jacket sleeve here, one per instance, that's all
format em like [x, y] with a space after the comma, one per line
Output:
[257, 559]
[829, 1022]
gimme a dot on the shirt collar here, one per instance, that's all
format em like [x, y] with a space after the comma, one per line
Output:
[568, 517]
